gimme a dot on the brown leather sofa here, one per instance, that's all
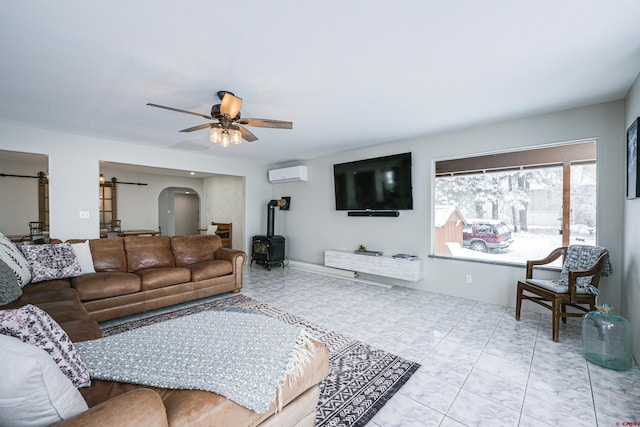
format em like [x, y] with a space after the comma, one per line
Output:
[122, 404]
[135, 274]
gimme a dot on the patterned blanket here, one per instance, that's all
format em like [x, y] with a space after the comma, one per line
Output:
[584, 257]
[242, 355]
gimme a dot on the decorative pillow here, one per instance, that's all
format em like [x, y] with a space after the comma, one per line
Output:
[10, 254]
[48, 262]
[33, 391]
[33, 326]
[10, 289]
[83, 253]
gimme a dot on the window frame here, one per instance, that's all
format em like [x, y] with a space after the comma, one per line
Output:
[564, 154]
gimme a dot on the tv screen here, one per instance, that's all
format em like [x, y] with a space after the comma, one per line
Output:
[381, 183]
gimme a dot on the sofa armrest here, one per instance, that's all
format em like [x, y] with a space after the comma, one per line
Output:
[237, 258]
[140, 407]
[230, 255]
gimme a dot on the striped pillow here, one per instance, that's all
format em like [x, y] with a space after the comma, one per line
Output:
[12, 256]
[10, 289]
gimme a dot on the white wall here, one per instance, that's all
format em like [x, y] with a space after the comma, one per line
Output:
[16, 211]
[138, 204]
[631, 266]
[74, 164]
[313, 225]
[224, 200]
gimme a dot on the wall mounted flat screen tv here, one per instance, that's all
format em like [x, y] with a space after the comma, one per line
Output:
[381, 183]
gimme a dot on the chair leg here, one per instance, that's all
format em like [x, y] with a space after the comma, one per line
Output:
[518, 301]
[555, 320]
[564, 311]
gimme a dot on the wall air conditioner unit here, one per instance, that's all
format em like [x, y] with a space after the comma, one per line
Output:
[291, 174]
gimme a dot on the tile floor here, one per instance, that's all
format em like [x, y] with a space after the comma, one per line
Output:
[480, 367]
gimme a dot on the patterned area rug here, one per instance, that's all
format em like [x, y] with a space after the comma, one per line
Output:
[361, 378]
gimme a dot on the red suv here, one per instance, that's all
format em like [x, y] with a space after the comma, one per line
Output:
[486, 234]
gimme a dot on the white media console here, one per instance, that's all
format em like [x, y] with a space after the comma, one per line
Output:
[397, 268]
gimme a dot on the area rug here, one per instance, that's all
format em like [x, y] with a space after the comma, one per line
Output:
[361, 378]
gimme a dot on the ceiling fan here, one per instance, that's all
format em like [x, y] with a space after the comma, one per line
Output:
[228, 128]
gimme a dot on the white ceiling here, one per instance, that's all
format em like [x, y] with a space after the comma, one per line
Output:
[347, 73]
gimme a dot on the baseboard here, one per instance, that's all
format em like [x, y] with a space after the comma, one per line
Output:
[334, 272]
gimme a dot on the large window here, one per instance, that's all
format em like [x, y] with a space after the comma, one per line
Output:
[514, 206]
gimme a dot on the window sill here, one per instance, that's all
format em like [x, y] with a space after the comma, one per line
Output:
[487, 261]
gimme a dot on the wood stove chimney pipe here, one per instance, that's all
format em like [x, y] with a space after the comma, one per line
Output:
[281, 203]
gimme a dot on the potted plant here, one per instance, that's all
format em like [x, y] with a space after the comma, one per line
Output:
[362, 248]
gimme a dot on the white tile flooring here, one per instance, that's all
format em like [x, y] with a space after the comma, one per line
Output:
[480, 367]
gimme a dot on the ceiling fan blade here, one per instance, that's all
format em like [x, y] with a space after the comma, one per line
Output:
[180, 111]
[266, 123]
[230, 105]
[199, 127]
[246, 134]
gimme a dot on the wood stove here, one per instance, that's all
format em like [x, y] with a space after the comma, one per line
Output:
[269, 250]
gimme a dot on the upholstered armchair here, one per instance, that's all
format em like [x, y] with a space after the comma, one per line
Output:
[577, 286]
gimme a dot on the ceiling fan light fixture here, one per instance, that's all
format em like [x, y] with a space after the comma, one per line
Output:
[225, 139]
[214, 135]
[236, 137]
[227, 127]
[230, 106]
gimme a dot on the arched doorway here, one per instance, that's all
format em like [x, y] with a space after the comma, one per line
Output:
[179, 211]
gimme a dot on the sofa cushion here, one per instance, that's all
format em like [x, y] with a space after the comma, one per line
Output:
[139, 407]
[46, 286]
[33, 326]
[148, 252]
[210, 269]
[37, 298]
[73, 318]
[160, 277]
[10, 289]
[105, 284]
[48, 262]
[82, 330]
[33, 391]
[64, 311]
[15, 259]
[108, 254]
[189, 250]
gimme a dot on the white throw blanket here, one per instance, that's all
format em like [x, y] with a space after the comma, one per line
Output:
[242, 355]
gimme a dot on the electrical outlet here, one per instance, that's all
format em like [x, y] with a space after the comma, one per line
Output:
[469, 279]
[84, 214]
